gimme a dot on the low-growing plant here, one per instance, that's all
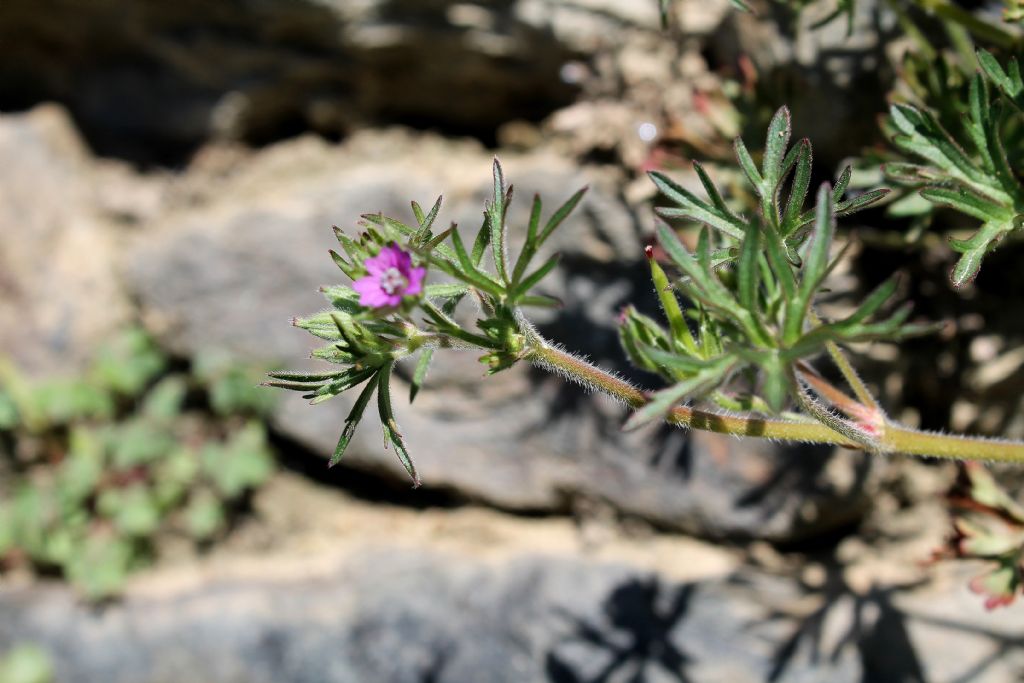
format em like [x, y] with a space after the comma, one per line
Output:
[26, 663]
[100, 465]
[742, 340]
[966, 154]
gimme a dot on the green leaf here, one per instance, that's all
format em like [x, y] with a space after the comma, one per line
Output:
[531, 280]
[692, 208]
[352, 421]
[1009, 82]
[560, 215]
[387, 421]
[425, 221]
[712, 190]
[680, 365]
[534, 224]
[921, 134]
[496, 219]
[422, 365]
[135, 512]
[749, 270]
[353, 377]
[482, 241]
[445, 290]
[978, 246]
[26, 664]
[999, 585]
[816, 262]
[670, 305]
[775, 384]
[816, 265]
[174, 476]
[966, 202]
[129, 363]
[469, 272]
[101, 565]
[666, 399]
[909, 173]
[872, 303]
[395, 231]
[798, 192]
[356, 252]
[242, 463]
[306, 377]
[204, 515]
[540, 301]
[779, 131]
[139, 442]
[860, 202]
[703, 282]
[748, 165]
[780, 264]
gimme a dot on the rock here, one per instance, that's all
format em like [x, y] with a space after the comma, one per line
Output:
[406, 612]
[230, 270]
[59, 296]
[834, 83]
[394, 616]
[171, 76]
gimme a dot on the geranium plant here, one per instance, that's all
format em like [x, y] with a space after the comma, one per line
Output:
[742, 343]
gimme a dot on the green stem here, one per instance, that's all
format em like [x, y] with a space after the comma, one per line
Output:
[850, 430]
[860, 389]
[952, 446]
[891, 438]
[549, 357]
[834, 396]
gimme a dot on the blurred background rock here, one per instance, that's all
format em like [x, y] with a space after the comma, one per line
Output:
[176, 168]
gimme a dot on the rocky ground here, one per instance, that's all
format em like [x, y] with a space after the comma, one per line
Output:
[322, 586]
[181, 191]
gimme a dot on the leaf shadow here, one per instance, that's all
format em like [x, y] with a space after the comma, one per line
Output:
[633, 634]
[873, 626]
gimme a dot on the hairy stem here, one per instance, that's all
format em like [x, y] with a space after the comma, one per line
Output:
[834, 396]
[891, 438]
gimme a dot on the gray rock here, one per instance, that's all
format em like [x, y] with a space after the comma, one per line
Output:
[152, 80]
[394, 616]
[386, 615]
[230, 271]
[834, 84]
[59, 296]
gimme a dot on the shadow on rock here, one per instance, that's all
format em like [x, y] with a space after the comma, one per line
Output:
[639, 618]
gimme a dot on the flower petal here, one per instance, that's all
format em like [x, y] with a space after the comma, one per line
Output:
[376, 265]
[403, 261]
[370, 292]
[415, 278]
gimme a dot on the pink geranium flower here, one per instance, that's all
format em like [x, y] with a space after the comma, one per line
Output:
[391, 278]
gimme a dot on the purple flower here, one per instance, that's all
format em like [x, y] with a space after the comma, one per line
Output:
[391, 277]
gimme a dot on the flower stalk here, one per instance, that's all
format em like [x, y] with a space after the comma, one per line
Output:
[747, 312]
[892, 438]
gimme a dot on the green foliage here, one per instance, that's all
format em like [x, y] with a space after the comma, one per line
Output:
[367, 342]
[97, 481]
[752, 282]
[26, 664]
[968, 153]
[989, 526]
